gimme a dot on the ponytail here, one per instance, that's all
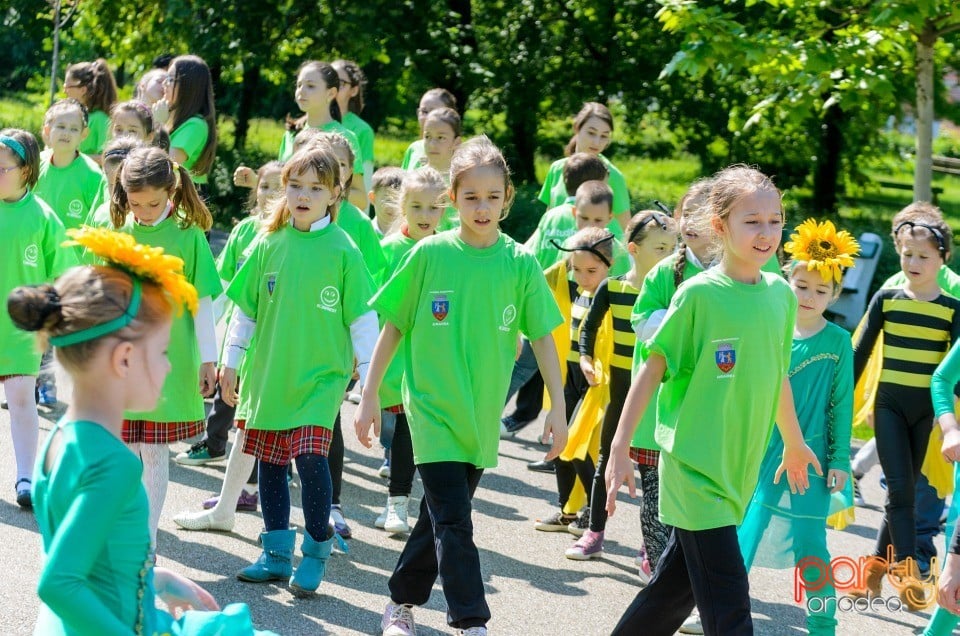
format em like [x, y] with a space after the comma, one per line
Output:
[186, 199]
[571, 146]
[335, 110]
[680, 265]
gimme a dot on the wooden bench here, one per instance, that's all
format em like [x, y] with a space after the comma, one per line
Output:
[946, 165]
[896, 185]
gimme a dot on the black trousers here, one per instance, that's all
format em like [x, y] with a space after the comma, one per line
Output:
[441, 544]
[402, 469]
[567, 472]
[699, 567]
[619, 387]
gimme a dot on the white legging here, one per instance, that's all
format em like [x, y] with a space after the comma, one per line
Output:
[156, 475]
[24, 422]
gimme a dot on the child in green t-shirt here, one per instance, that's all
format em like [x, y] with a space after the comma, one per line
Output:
[415, 156]
[724, 385]
[421, 198]
[299, 321]
[449, 290]
[32, 235]
[188, 93]
[92, 84]
[382, 196]
[353, 83]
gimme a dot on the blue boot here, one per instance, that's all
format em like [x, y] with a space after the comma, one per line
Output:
[274, 563]
[309, 574]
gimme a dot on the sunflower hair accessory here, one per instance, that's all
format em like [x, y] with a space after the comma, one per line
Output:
[142, 262]
[823, 248]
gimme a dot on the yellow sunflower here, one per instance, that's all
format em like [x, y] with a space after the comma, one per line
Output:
[823, 248]
[143, 261]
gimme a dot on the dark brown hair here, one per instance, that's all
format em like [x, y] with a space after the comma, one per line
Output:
[590, 109]
[924, 213]
[581, 167]
[594, 193]
[331, 78]
[149, 167]
[446, 116]
[357, 78]
[82, 298]
[321, 160]
[194, 99]
[98, 80]
[30, 148]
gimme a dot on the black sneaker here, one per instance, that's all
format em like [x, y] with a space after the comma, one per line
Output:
[510, 426]
[542, 466]
[581, 524]
[23, 494]
[858, 499]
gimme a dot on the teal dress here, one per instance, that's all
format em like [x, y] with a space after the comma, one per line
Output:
[97, 576]
[780, 528]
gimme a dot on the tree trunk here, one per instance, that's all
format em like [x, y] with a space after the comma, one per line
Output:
[521, 121]
[827, 175]
[56, 52]
[248, 91]
[923, 171]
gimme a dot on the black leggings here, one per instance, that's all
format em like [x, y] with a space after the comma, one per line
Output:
[568, 472]
[402, 468]
[619, 386]
[335, 459]
[903, 418]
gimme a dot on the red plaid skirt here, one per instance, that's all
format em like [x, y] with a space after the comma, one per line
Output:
[279, 447]
[145, 432]
[240, 424]
[645, 457]
[396, 409]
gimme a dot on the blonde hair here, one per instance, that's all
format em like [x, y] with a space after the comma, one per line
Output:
[324, 164]
[84, 297]
[425, 179]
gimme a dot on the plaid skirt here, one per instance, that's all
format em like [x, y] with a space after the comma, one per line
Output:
[280, 447]
[645, 457]
[145, 432]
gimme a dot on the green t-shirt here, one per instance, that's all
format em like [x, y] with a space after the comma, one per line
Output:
[180, 400]
[450, 219]
[415, 156]
[554, 192]
[727, 349]
[559, 224]
[363, 132]
[358, 227]
[70, 191]
[191, 137]
[459, 309]
[31, 255]
[332, 126]
[395, 247]
[304, 289]
[99, 125]
[100, 216]
[233, 255]
[948, 280]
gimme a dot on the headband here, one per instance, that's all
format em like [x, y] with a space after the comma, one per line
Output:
[592, 248]
[823, 248]
[105, 328]
[15, 146]
[117, 152]
[937, 234]
[654, 216]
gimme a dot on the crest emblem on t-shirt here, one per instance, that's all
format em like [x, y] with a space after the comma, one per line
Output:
[271, 283]
[329, 297]
[726, 357]
[440, 307]
[509, 315]
[76, 208]
[31, 255]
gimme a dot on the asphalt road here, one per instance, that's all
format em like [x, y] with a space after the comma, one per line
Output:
[531, 587]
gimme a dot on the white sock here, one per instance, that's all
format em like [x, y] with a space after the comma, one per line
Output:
[24, 422]
[156, 476]
[239, 466]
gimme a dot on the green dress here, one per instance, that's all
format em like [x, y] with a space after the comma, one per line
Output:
[97, 577]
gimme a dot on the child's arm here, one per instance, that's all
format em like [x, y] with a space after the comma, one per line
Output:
[205, 326]
[840, 423]
[556, 423]
[363, 335]
[368, 411]
[796, 454]
[863, 347]
[620, 468]
[589, 329]
[238, 341]
[180, 593]
[941, 387]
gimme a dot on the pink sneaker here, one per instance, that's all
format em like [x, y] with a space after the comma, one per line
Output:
[588, 546]
[245, 503]
[398, 621]
[644, 570]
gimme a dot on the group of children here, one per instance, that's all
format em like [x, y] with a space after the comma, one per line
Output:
[742, 460]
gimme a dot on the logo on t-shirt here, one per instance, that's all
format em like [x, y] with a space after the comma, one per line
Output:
[725, 357]
[75, 207]
[31, 255]
[329, 297]
[271, 283]
[440, 307]
[509, 315]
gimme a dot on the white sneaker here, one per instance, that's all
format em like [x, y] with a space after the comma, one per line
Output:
[473, 631]
[396, 522]
[382, 519]
[398, 621]
[692, 624]
[354, 397]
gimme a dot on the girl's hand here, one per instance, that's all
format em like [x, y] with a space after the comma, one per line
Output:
[244, 177]
[586, 365]
[208, 379]
[228, 386]
[367, 414]
[180, 593]
[796, 458]
[837, 479]
[951, 445]
[619, 470]
[950, 584]
[555, 425]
